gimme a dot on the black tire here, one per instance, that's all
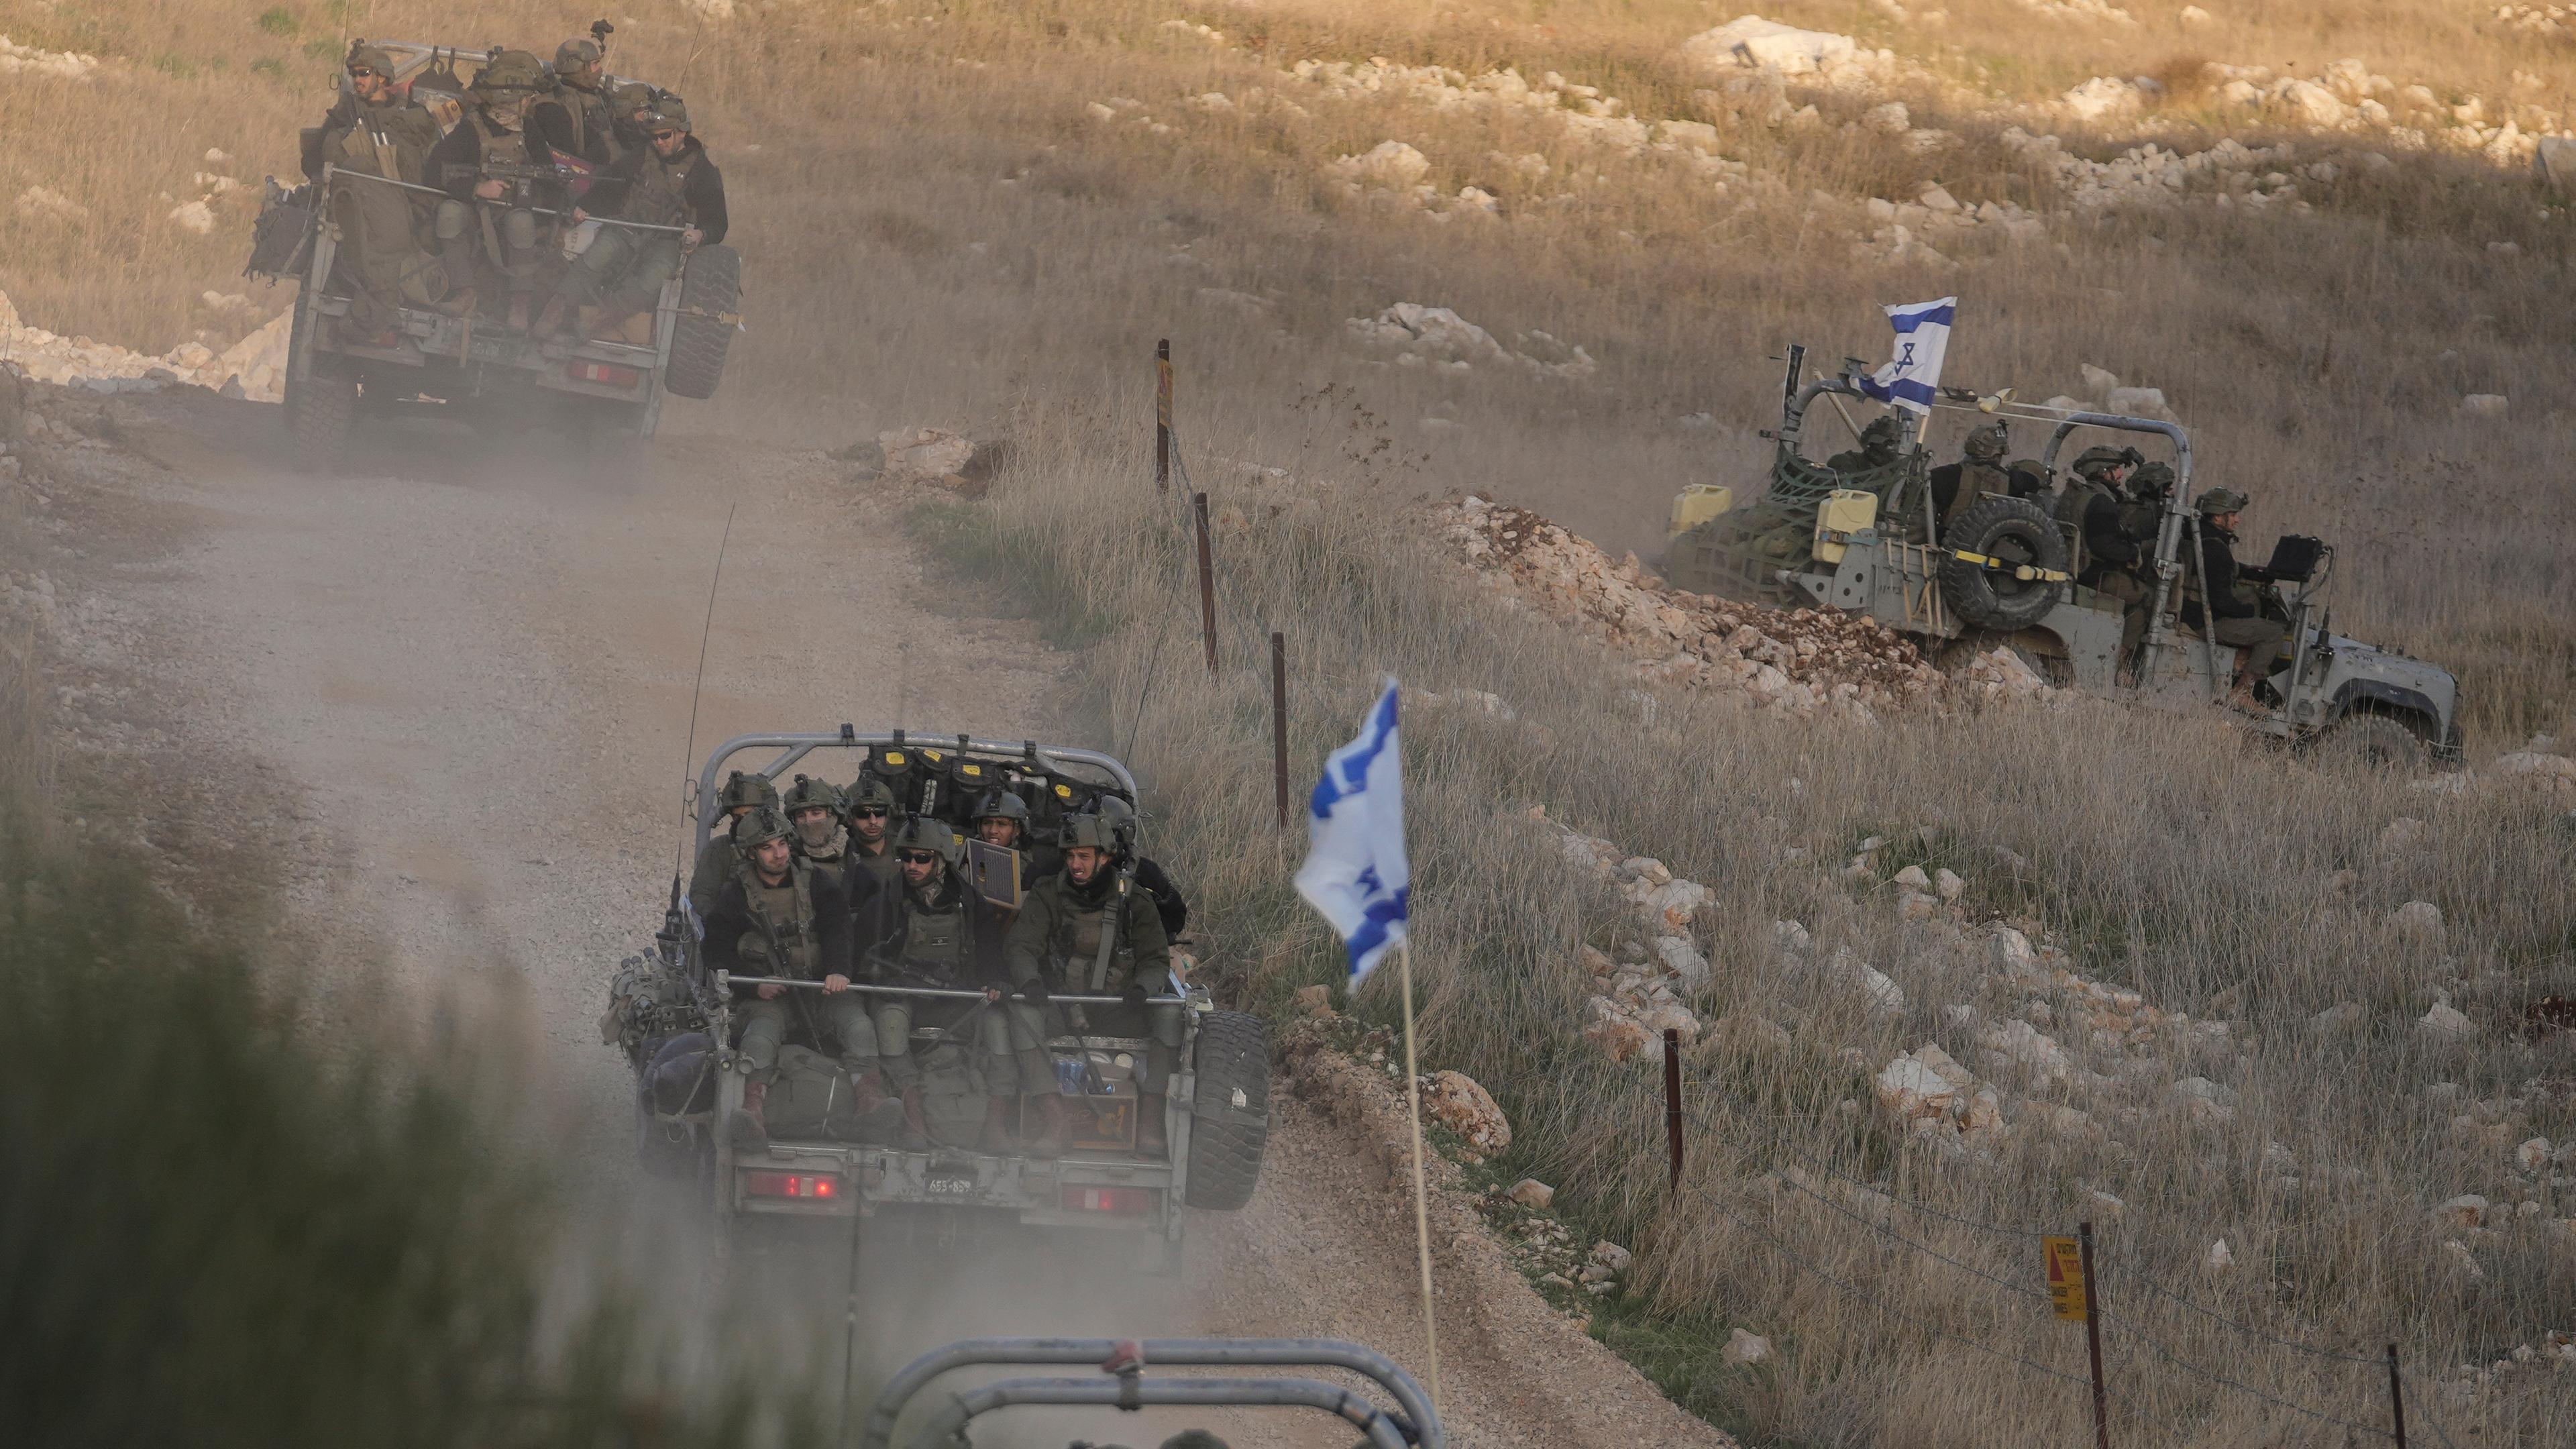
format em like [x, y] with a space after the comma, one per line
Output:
[2380, 741]
[710, 290]
[1231, 1125]
[2020, 534]
[325, 410]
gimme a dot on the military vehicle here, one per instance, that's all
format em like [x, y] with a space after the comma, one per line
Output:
[606, 387]
[675, 1019]
[1870, 542]
[1118, 1380]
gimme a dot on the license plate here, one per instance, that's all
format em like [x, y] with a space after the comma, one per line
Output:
[951, 1187]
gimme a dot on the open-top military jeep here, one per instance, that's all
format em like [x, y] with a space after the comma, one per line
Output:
[1872, 542]
[675, 1019]
[608, 386]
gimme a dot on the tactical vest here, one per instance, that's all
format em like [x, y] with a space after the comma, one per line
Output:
[495, 147]
[389, 141]
[882, 865]
[654, 197]
[785, 913]
[1099, 959]
[934, 941]
[587, 112]
[2072, 505]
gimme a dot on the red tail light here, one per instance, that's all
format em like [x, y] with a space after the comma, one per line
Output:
[1108, 1199]
[790, 1184]
[601, 372]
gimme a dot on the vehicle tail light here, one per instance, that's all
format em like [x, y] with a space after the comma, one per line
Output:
[790, 1184]
[1108, 1199]
[601, 372]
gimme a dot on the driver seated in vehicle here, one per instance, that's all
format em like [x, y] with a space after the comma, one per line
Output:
[2235, 614]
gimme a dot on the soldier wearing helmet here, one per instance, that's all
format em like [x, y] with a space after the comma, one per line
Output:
[815, 807]
[1149, 873]
[374, 130]
[742, 793]
[1081, 932]
[1882, 442]
[1980, 469]
[2234, 615]
[629, 103]
[498, 167]
[874, 876]
[778, 916]
[945, 938]
[669, 184]
[1002, 818]
[2092, 507]
[580, 99]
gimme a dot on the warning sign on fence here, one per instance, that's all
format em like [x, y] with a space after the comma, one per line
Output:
[2066, 1277]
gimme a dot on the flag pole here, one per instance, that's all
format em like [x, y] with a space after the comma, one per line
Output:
[1421, 1193]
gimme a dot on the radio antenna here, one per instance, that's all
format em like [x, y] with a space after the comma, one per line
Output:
[689, 753]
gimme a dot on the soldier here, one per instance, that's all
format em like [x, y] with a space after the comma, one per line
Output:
[1002, 818]
[1079, 932]
[2235, 608]
[630, 103]
[815, 808]
[670, 183]
[741, 794]
[1881, 443]
[581, 102]
[372, 132]
[874, 874]
[485, 167]
[1168, 903]
[1980, 469]
[945, 939]
[778, 916]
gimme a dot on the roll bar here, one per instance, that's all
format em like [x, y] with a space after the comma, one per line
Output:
[1378, 1428]
[1418, 1424]
[797, 746]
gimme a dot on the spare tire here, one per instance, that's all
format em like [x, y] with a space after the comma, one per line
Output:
[1988, 549]
[710, 290]
[1230, 1113]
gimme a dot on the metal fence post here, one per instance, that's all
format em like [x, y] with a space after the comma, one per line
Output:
[2396, 1398]
[1673, 1105]
[1207, 582]
[1279, 722]
[2093, 1339]
[1163, 416]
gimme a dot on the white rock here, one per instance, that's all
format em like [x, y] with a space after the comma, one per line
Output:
[2009, 951]
[2483, 405]
[2421, 920]
[2145, 402]
[2461, 1258]
[2194, 15]
[2204, 1099]
[2468, 1210]
[1529, 1192]
[2336, 1020]
[1888, 119]
[2028, 1047]
[1753, 41]
[2533, 1154]
[1911, 1088]
[1684, 960]
[2444, 1021]
[1912, 878]
[2100, 98]
[1883, 994]
[1388, 163]
[2219, 1258]
[1948, 884]
[1789, 935]
[2099, 381]
[1611, 1256]
[1745, 1348]
[2314, 104]
[924, 452]
[194, 217]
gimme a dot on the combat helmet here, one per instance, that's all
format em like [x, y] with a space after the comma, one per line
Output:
[867, 793]
[668, 110]
[1091, 828]
[809, 793]
[1122, 822]
[761, 825]
[2219, 500]
[1005, 802]
[507, 74]
[746, 787]
[371, 55]
[1987, 444]
[1884, 434]
[2152, 480]
[2101, 458]
[576, 53]
[923, 833]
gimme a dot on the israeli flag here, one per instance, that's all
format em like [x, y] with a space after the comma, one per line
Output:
[1922, 336]
[1355, 874]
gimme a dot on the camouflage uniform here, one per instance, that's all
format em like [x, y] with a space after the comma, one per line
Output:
[715, 862]
[380, 253]
[1097, 939]
[499, 133]
[1882, 443]
[623, 271]
[1980, 470]
[796, 927]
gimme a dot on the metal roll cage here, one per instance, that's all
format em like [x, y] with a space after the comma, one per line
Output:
[795, 747]
[1417, 1424]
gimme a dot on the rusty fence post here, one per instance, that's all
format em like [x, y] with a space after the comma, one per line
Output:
[2093, 1339]
[2396, 1399]
[1163, 416]
[1673, 1105]
[1279, 723]
[1207, 582]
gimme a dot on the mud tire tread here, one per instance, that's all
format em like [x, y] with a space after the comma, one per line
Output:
[1225, 1156]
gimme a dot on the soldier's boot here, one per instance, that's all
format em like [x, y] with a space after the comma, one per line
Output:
[461, 303]
[745, 1129]
[881, 1118]
[912, 1131]
[997, 1126]
[551, 320]
[1150, 1139]
[1050, 1140]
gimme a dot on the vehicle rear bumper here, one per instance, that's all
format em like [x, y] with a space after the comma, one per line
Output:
[1107, 1191]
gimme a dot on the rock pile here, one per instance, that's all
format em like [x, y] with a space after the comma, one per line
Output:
[1639, 997]
[1455, 1101]
[254, 367]
[1800, 661]
[1438, 337]
[28, 60]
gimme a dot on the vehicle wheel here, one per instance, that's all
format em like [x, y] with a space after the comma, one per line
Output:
[321, 421]
[1231, 1114]
[2383, 742]
[2017, 533]
[710, 290]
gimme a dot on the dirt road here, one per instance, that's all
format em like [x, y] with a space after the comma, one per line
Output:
[458, 685]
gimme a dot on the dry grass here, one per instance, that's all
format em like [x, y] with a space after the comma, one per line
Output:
[961, 245]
